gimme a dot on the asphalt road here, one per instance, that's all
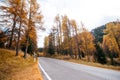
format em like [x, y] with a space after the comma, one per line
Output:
[62, 70]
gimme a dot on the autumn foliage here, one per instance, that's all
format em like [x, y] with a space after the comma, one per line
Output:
[68, 38]
[21, 19]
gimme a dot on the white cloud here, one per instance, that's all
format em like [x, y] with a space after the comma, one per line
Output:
[92, 13]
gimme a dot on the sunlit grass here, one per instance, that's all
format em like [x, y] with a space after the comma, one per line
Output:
[12, 66]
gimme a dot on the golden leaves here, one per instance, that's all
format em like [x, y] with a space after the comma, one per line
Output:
[87, 42]
[111, 40]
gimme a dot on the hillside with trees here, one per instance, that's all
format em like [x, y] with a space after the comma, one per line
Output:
[101, 45]
[19, 20]
[21, 23]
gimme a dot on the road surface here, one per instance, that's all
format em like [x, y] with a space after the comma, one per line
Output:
[63, 70]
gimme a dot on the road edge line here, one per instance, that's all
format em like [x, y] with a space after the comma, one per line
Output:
[48, 77]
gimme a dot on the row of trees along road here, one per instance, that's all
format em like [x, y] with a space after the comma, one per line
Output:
[67, 38]
[19, 20]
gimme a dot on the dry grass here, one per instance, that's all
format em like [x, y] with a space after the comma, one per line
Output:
[95, 64]
[29, 73]
[68, 58]
[17, 68]
[40, 54]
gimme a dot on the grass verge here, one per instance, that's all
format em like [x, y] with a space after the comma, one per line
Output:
[16, 67]
[95, 64]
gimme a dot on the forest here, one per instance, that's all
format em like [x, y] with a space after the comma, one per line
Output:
[19, 20]
[68, 48]
[101, 44]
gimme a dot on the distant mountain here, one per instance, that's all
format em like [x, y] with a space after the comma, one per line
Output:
[98, 33]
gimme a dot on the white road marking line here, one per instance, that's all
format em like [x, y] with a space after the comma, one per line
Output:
[48, 77]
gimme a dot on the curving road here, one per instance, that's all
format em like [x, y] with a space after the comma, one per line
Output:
[54, 69]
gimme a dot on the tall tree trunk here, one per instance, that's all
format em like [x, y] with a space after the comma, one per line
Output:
[69, 39]
[18, 41]
[27, 33]
[12, 32]
[79, 54]
[26, 49]
[60, 37]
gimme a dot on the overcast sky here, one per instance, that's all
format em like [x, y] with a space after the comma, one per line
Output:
[92, 13]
